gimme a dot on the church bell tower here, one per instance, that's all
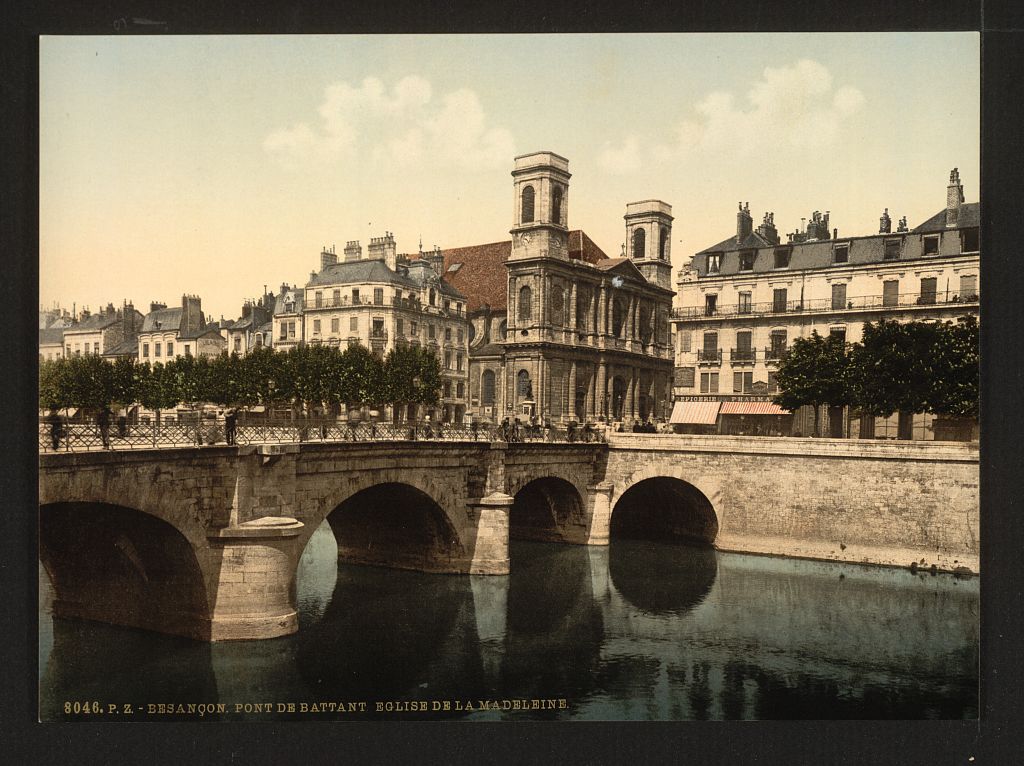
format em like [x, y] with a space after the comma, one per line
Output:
[540, 228]
[649, 240]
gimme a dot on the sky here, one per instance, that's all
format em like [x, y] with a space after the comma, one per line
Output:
[215, 165]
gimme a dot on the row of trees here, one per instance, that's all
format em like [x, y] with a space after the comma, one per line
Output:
[304, 377]
[897, 367]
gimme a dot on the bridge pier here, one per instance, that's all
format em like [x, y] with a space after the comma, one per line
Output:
[599, 512]
[489, 555]
[250, 570]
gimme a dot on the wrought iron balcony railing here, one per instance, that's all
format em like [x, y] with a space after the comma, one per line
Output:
[821, 305]
[709, 356]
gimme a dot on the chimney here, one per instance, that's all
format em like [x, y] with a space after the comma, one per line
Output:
[192, 319]
[156, 306]
[353, 251]
[246, 310]
[885, 223]
[954, 198]
[902, 225]
[436, 260]
[767, 229]
[744, 223]
[327, 258]
[383, 249]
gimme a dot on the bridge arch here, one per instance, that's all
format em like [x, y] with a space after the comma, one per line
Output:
[548, 509]
[660, 507]
[399, 519]
[116, 564]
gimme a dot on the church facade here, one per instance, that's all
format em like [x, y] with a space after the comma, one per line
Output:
[560, 331]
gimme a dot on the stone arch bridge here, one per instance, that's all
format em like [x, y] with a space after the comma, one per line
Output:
[205, 542]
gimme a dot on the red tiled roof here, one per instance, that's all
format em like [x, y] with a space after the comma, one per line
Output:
[482, 276]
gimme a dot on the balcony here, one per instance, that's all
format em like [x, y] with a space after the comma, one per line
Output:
[709, 356]
[741, 355]
[827, 305]
[774, 355]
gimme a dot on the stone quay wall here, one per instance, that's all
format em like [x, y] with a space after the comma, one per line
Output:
[886, 503]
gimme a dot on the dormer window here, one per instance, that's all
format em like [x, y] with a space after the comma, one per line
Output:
[782, 257]
[714, 263]
[892, 250]
[747, 260]
[931, 244]
[841, 253]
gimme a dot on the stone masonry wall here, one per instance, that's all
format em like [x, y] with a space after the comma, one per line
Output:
[866, 502]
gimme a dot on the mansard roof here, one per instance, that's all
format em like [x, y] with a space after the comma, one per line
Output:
[968, 217]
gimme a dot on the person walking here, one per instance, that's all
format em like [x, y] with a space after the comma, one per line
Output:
[103, 421]
[230, 425]
[56, 429]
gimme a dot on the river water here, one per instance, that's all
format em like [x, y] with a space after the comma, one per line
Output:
[634, 631]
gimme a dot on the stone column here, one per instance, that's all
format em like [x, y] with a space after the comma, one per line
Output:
[513, 305]
[600, 512]
[250, 571]
[490, 549]
[602, 385]
[570, 321]
[572, 390]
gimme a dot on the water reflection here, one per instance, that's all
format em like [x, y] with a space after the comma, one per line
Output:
[633, 631]
[659, 578]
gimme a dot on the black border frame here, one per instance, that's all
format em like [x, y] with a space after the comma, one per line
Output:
[992, 740]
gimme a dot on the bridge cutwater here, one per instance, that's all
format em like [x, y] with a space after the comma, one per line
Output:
[205, 541]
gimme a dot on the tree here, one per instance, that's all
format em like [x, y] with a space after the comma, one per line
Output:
[124, 381]
[955, 385]
[222, 379]
[90, 381]
[362, 377]
[158, 389]
[411, 375]
[55, 384]
[261, 369]
[892, 367]
[814, 372]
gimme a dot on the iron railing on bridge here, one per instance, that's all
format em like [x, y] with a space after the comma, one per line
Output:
[81, 437]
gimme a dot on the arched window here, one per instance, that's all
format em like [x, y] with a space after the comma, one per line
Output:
[432, 297]
[557, 306]
[663, 243]
[618, 317]
[524, 389]
[525, 304]
[556, 205]
[487, 388]
[503, 329]
[638, 244]
[527, 216]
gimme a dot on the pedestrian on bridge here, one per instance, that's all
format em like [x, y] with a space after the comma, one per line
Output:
[103, 421]
[230, 425]
[56, 429]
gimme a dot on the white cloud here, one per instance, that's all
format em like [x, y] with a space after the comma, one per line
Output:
[620, 159]
[792, 107]
[402, 127]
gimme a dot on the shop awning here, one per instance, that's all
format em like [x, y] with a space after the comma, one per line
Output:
[695, 413]
[753, 408]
